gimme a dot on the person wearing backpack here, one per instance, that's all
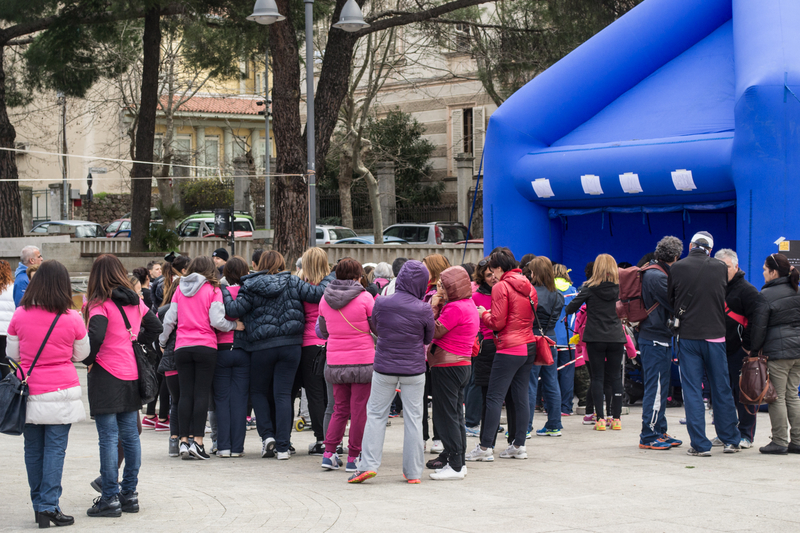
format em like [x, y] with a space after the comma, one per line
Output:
[655, 345]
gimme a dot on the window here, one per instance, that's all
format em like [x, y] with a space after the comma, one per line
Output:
[453, 233]
[320, 235]
[212, 152]
[462, 38]
[341, 233]
[239, 147]
[190, 229]
[41, 228]
[467, 130]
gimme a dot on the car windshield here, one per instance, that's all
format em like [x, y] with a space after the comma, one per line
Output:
[453, 233]
[87, 231]
[113, 227]
[189, 229]
[408, 233]
[341, 233]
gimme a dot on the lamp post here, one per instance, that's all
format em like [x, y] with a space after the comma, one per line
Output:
[350, 19]
[266, 12]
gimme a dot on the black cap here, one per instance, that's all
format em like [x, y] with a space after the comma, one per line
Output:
[170, 257]
[222, 253]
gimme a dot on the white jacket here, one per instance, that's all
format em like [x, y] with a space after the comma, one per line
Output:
[7, 308]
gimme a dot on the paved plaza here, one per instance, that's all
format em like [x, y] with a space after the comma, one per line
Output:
[582, 481]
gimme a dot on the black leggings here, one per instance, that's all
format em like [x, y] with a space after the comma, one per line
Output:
[605, 362]
[163, 400]
[174, 398]
[315, 389]
[196, 365]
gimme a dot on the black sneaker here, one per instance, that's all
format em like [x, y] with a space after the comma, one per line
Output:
[339, 450]
[435, 464]
[129, 501]
[316, 449]
[794, 448]
[292, 451]
[774, 449]
[198, 451]
[103, 507]
[97, 484]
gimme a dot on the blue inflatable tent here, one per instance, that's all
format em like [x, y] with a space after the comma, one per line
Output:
[680, 116]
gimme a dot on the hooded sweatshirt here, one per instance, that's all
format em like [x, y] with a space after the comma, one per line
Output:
[602, 322]
[459, 316]
[20, 283]
[196, 310]
[404, 323]
[346, 308]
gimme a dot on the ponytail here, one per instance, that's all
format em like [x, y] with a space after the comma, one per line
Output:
[784, 269]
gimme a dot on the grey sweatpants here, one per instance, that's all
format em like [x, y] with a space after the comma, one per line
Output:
[412, 389]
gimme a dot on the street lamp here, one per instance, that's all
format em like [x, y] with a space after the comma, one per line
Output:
[350, 19]
[265, 12]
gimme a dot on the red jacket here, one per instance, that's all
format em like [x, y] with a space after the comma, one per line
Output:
[511, 315]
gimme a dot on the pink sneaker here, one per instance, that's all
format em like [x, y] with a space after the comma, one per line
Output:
[149, 423]
[162, 426]
[589, 420]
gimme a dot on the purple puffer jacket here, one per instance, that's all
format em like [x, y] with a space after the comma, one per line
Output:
[404, 324]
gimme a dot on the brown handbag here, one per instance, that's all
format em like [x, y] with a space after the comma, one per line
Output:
[755, 387]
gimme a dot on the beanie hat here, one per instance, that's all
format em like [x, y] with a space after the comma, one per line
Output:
[704, 239]
[222, 253]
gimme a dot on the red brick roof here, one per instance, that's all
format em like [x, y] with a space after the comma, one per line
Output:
[228, 105]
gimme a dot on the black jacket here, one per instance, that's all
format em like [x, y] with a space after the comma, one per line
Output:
[782, 339]
[602, 322]
[744, 299]
[654, 289]
[704, 316]
[271, 307]
[482, 363]
[108, 394]
[167, 363]
[156, 293]
[548, 310]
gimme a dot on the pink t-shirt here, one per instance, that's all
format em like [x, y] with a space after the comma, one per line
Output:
[309, 332]
[54, 370]
[346, 346]
[116, 352]
[462, 322]
[485, 301]
[226, 337]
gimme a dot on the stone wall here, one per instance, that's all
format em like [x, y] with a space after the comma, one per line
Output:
[106, 208]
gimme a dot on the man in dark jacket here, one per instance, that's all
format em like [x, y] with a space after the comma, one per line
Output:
[655, 345]
[696, 290]
[746, 318]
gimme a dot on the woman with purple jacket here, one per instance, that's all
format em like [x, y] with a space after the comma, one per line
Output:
[404, 325]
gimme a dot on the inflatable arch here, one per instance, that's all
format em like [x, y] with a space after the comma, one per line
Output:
[683, 115]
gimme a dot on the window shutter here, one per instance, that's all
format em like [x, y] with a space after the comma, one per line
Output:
[457, 134]
[478, 133]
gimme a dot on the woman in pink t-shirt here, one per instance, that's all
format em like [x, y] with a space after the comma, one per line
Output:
[315, 269]
[114, 400]
[55, 402]
[450, 359]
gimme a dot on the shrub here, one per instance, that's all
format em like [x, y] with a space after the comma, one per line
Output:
[206, 194]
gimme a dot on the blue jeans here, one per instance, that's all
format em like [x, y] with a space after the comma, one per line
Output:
[45, 448]
[695, 356]
[272, 375]
[551, 393]
[566, 379]
[474, 402]
[231, 391]
[656, 369]
[111, 429]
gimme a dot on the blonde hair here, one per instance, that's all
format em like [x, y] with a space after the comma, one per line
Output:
[561, 271]
[605, 269]
[315, 265]
[436, 264]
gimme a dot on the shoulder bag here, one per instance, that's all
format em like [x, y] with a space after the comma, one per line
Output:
[755, 387]
[148, 381]
[14, 393]
[544, 355]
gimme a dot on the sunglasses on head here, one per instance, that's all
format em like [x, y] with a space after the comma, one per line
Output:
[483, 263]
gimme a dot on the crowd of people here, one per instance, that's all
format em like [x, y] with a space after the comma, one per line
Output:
[236, 342]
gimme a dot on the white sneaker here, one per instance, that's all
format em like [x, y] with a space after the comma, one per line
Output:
[437, 447]
[514, 452]
[448, 474]
[223, 453]
[268, 447]
[283, 456]
[480, 455]
[745, 444]
[716, 442]
[463, 470]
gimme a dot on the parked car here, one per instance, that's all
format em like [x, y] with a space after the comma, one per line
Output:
[369, 239]
[121, 224]
[202, 225]
[429, 233]
[155, 215]
[332, 234]
[83, 228]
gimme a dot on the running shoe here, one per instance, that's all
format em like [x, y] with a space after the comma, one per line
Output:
[672, 441]
[331, 463]
[437, 447]
[745, 444]
[268, 447]
[412, 481]
[589, 420]
[360, 477]
[478, 454]
[514, 452]
[198, 451]
[545, 432]
[698, 453]
[283, 456]
[616, 424]
[352, 464]
[473, 432]
[448, 474]
[600, 425]
[657, 444]
[731, 448]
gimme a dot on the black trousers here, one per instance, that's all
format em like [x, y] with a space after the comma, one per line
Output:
[448, 411]
[605, 362]
[428, 394]
[195, 365]
[315, 389]
[490, 433]
[174, 398]
[510, 373]
[163, 400]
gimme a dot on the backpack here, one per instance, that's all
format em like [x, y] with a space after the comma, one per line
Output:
[630, 306]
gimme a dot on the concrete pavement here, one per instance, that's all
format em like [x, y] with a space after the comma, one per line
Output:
[581, 481]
